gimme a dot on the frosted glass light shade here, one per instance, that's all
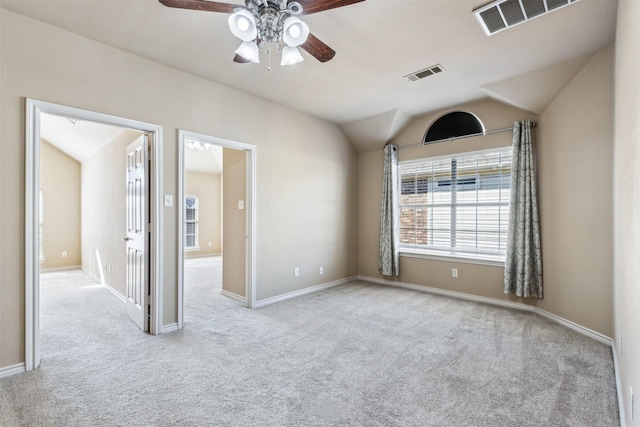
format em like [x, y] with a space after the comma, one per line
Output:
[243, 25]
[295, 32]
[198, 146]
[249, 50]
[290, 56]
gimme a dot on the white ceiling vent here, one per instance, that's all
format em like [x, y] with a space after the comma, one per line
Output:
[418, 75]
[502, 14]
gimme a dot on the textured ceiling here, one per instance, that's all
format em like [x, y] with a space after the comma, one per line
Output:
[377, 43]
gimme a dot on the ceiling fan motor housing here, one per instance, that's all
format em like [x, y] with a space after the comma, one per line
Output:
[270, 16]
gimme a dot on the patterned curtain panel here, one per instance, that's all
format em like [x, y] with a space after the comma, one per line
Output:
[389, 261]
[523, 264]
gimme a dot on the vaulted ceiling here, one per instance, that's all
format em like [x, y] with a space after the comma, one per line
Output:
[377, 43]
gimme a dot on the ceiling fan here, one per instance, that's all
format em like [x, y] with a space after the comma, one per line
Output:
[264, 23]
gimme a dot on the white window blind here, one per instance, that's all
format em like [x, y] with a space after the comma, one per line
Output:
[456, 205]
[191, 223]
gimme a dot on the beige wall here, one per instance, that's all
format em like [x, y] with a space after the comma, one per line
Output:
[207, 187]
[573, 143]
[306, 168]
[575, 172]
[482, 280]
[234, 221]
[627, 204]
[104, 193]
[60, 185]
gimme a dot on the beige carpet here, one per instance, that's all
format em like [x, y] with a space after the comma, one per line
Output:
[354, 355]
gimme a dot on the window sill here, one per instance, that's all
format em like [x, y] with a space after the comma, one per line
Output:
[194, 249]
[494, 261]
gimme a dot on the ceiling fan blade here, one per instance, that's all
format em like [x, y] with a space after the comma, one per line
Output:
[207, 6]
[318, 49]
[314, 6]
[240, 60]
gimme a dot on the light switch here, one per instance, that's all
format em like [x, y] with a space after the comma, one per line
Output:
[168, 201]
[240, 204]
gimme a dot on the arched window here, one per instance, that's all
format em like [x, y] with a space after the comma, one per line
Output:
[453, 125]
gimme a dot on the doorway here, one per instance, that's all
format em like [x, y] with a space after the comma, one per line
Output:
[34, 114]
[238, 254]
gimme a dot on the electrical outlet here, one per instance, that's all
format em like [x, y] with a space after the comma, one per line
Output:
[321, 270]
[296, 272]
[454, 272]
[209, 244]
[64, 254]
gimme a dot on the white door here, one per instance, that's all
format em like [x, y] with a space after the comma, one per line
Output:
[137, 238]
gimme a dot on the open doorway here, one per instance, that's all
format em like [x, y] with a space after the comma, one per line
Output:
[40, 116]
[216, 208]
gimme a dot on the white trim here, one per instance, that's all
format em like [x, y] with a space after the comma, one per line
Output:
[252, 221]
[117, 294]
[572, 325]
[509, 304]
[616, 369]
[236, 297]
[180, 204]
[205, 255]
[304, 291]
[10, 370]
[252, 197]
[171, 327]
[156, 281]
[32, 251]
[459, 258]
[62, 268]
[34, 108]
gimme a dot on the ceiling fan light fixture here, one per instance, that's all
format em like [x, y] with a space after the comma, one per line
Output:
[243, 25]
[249, 50]
[290, 55]
[198, 146]
[295, 32]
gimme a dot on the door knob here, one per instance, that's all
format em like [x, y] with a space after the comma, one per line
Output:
[126, 239]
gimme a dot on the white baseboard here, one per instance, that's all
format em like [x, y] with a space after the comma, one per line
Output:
[90, 274]
[63, 268]
[8, 371]
[236, 297]
[304, 291]
[118, 295]
[509, 304]
[196, 256]
[571, 325]
[106, 285]
[616, 369]
[171, 327]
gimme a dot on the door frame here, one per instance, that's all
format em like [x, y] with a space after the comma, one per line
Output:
[250, 258]
[34, 109]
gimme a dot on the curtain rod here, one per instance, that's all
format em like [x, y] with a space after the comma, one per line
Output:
[489, 132]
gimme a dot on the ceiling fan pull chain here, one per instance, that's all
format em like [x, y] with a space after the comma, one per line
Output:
[269, 55]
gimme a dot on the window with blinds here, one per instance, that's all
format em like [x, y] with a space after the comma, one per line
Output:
[191, 223]
[456, 205]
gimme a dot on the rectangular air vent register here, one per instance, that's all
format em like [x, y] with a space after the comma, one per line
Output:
[419, 75]
[502, 14]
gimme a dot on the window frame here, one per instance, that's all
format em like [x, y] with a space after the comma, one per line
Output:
[195, 221]
[449, 253]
